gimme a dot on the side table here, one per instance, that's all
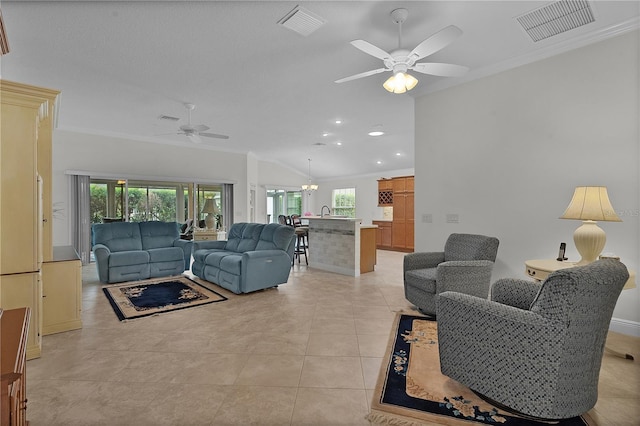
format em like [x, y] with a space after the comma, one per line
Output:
[539, 269]
[205, 235]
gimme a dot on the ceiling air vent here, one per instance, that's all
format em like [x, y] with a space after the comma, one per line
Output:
[556, 18]
[168, 117]
[301, 21]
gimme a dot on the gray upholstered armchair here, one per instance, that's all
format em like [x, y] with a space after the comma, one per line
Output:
[535, 348]
[465, 265]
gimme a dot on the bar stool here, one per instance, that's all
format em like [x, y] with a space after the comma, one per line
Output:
[302, 239]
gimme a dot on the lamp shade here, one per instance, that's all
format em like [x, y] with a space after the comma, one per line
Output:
[209, 206]
[591, 203]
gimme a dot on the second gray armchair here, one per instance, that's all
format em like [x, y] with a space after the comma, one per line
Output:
[464, 266]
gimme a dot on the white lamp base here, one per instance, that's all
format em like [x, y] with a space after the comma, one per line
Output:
[209, 220]
[589, 239]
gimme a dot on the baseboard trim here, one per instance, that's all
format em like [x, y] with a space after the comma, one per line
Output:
[631, 328]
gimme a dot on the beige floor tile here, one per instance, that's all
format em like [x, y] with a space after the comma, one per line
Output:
[333, 344]
[271, 370]
[371, 371]
[372, 345]
[330, 407]
[333, 325]
[332, 372]
[263, 406]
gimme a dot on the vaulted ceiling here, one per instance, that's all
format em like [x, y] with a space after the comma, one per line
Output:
[122, 65]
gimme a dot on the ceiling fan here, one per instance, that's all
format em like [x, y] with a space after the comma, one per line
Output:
[401, 60]
[194, 132]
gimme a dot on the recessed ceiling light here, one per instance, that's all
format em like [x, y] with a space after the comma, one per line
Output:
[338, 121]
[325, 134]
[378, 162]
[339, 143]
[398, 154]
[376, 131]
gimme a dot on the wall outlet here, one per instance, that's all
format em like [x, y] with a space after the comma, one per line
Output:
[427, 218]
[452, 218]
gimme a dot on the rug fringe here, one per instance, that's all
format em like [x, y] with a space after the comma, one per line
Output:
[386, 419]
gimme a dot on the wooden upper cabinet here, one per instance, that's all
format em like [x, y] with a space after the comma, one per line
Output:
[385, 192]
[399, 184]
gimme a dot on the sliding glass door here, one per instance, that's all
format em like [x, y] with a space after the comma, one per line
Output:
[283, 202]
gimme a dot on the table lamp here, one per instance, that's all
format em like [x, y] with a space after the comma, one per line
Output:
[590, 204]
[211, 209]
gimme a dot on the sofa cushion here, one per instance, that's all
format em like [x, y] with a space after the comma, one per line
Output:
[275, 236]
[214, 258]
[424, 279]
[231, 263]
[156, 234]
[126, 258]
[118, 236]
[166, 254]
[243, 237]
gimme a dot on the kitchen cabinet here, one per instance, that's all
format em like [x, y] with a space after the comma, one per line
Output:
[385, 192]
[403, 224]
[383, 234]
[368, 255]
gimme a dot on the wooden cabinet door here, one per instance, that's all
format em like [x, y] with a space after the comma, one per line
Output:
[62, 296]
[399, 226]
[386, 236]
[410, 221]
[399, 184]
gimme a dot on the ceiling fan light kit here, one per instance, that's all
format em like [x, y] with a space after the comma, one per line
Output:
[402, 60]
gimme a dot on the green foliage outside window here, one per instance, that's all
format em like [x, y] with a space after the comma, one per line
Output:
[344, 202]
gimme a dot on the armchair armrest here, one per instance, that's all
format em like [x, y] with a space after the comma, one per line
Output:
[515, 292]
[467, 276]
[102, 253]
[422, 260]
[207, 244]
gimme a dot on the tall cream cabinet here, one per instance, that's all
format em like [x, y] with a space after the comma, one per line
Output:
[26, 127]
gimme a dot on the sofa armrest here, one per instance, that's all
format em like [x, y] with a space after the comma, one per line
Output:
[515, 292]
[208, 244]
[264, 268]
[102, 253]
[466, 276]
[422, 260]
[186, 246]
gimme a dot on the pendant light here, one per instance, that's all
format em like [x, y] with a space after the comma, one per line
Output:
[309, 187]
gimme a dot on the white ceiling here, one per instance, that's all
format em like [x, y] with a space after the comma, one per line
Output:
[120, 65]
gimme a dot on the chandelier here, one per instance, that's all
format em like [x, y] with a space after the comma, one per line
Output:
[309, 186]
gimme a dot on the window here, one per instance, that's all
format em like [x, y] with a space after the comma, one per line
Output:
[343, 202]
[283, 202]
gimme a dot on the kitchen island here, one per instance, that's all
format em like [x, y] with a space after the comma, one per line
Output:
[335, 245]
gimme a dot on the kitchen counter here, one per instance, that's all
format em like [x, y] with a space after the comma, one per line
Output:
[335, 244]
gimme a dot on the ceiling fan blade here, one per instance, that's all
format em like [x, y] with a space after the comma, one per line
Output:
[443, 70]
[370, 49]
[201, 128]
[362, 74]
[214, 135]
[436, 42]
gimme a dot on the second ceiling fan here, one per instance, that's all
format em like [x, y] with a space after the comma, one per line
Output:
[401, 60]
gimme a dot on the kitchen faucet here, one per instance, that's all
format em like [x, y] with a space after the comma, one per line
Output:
[322, 211]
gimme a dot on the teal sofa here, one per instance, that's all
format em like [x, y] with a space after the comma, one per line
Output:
[254, 257]
[130, 251]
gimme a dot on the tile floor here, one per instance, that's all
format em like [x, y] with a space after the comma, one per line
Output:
[307, 353]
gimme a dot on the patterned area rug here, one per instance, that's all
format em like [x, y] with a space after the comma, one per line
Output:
[138, 299]
[412, 391]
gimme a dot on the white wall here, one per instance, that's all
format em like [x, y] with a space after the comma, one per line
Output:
[505, 153]
[109, 155]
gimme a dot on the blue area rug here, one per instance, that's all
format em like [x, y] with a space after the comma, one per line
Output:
[411, 390]
[151, 297]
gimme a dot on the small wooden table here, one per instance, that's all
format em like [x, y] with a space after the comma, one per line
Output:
[205, 235]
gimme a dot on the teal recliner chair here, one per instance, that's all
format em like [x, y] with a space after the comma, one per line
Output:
[130, 251]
